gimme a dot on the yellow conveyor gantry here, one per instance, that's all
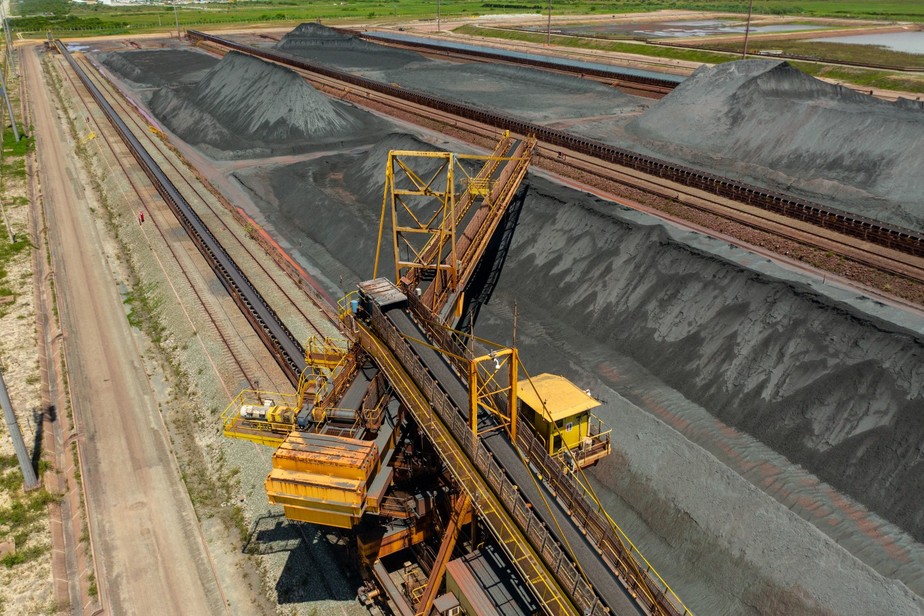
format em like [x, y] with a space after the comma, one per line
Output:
[484, 499]
[334, 479]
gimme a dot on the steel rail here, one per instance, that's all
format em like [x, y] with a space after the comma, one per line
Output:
[167, 152]
[854, 225]
[144, 195]
[786, 56]
[286, 350]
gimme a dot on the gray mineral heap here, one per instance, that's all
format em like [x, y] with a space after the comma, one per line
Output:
[767, 426]
[244, 103]
[767, 121]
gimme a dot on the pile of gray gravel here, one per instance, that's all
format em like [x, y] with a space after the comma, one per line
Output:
[534, 94]
[245, 105]
[768, 120]
[333, 47]
[159, 67]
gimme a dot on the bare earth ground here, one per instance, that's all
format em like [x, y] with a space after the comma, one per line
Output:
[25, 588]
[143, 526]
[263, 565]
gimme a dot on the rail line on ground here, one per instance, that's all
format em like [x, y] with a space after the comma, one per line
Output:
[286, 350]
[623, 79]
[145, 196]
[129, 112]
[825, 217]
[592, 172]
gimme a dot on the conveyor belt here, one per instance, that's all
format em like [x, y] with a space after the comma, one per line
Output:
[617, 73]
[484, 486]
[598, 574]
[357, 390]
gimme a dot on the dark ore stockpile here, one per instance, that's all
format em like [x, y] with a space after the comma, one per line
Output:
[826, 385]
[771, 122]
[533, 94]
[348, 52]
[159, 68]
[244, 107]
[760, 121]
[746, 400]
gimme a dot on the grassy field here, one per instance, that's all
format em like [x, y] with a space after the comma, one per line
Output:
[866, 78]
[903, 10]
[837, 52]
[101, 19]
[60, 17]
[674, 53]
[886, 80]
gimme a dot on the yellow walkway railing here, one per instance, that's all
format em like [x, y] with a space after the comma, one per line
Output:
[484, 500]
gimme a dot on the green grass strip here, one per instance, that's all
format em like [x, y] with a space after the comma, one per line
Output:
[578, 42]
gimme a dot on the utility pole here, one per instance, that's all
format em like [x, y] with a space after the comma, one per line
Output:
[437, 15]
[9, 107]
[3, 74]
[9, 38]
[9, 228]
[30, 481]
[6, 221]
[548, 29]
[747, 30]
[176, 18]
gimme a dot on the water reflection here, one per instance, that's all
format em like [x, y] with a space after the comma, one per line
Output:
[675, 29]
[907, 42]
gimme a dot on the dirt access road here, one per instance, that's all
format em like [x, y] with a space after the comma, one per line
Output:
[150, 557]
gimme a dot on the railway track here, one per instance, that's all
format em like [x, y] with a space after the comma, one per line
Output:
[648, 173]
[146, 196]
[286, 350]
[196, 194]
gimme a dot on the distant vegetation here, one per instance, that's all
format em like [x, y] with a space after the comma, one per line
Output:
[42, 7]
[863, 77]
[904, 10]
[826, 52]
[65, 18]
[674, 53]
[869, 78]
